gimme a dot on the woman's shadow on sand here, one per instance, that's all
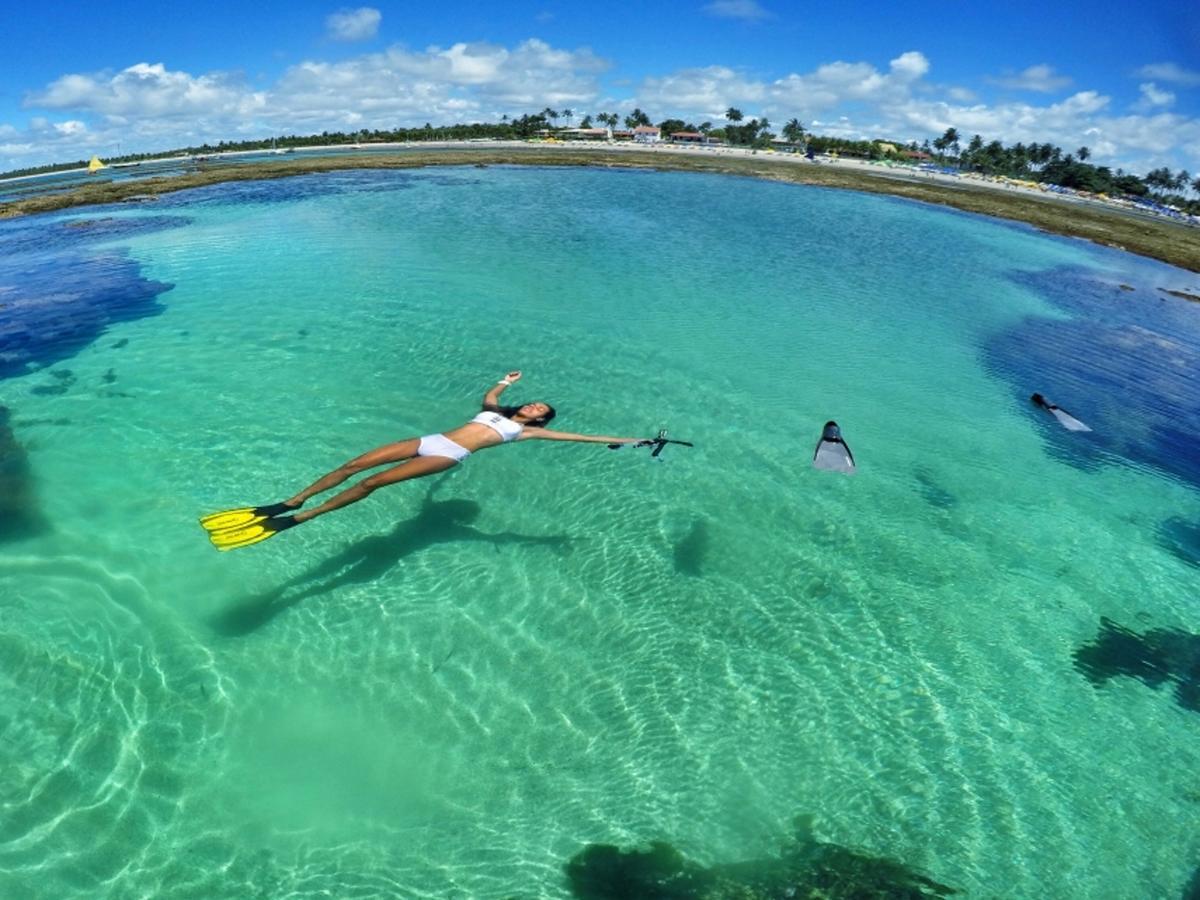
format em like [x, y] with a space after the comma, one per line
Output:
[437, 522]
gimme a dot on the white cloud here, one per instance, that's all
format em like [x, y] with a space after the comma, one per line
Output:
[704, 93]
[909, 65]
[835, 83]
[857, 100]
[747, 10]
[150, 107]
[145, 90]
[1041, 78]
[1170, 73]
[1153, 96]
[450, 84]
[353, 24]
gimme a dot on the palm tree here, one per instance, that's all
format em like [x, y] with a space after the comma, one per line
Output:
[1196, 185]
[733, 114]
[947, 140]
[974, 146]
[636, 118]
[793, 131]
[1160, 178]
[570, 114]
[940, 144]
[1083, 153]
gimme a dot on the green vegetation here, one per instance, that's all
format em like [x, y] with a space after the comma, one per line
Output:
[1042, 163]
[804, 868]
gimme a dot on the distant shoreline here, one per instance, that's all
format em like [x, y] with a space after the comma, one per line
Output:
[1171, 242]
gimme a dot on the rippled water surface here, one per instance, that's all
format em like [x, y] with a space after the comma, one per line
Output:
[450, 688]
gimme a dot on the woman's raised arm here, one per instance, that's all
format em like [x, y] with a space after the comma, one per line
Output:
[492, 398]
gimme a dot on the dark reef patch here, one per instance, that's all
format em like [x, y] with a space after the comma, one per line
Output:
[804, 868]
[19, 514]
[290, 190]
[1154, 658]
[1127, 364]
[60, 294]
[61, 381]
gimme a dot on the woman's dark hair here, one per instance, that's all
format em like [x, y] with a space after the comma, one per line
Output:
[509, 411]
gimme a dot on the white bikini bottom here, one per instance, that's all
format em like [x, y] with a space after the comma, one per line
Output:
[440, 445]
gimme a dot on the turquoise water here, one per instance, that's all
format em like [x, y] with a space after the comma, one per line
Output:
[450, 688]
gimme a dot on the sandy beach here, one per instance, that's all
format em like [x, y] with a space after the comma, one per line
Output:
[1105, 223]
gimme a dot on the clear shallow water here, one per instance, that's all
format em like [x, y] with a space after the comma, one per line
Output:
[449, 689]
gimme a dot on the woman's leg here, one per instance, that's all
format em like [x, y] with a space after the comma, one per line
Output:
[388, 453]
[415, 468]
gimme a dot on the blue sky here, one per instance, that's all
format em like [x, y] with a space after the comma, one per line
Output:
[1122, 79]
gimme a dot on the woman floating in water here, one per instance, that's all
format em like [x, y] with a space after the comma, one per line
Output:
[418, 457]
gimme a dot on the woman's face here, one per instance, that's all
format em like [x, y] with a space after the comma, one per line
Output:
[533, 411]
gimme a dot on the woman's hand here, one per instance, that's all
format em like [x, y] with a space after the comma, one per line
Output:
[492, 397]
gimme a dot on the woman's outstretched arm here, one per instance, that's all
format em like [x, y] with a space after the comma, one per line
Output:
[532, 433]
[491, 400]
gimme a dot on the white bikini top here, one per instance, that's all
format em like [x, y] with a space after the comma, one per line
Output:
[506, 428]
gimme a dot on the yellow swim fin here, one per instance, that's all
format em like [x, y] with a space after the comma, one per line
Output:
[230, 518]
[254, 531]
[242, 516]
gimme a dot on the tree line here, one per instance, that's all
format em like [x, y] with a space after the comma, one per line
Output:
[1049, 164]
[1044, 163]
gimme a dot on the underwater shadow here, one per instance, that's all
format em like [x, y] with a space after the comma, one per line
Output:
[932, 491]
[805, 867]
[691, 551]
[437, 522]
[1191, 890]
[1154, 658]
[20, 517]
[1181, 538]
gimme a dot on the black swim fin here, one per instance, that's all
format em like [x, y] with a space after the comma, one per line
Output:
[1065, 419]
[832, 453]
